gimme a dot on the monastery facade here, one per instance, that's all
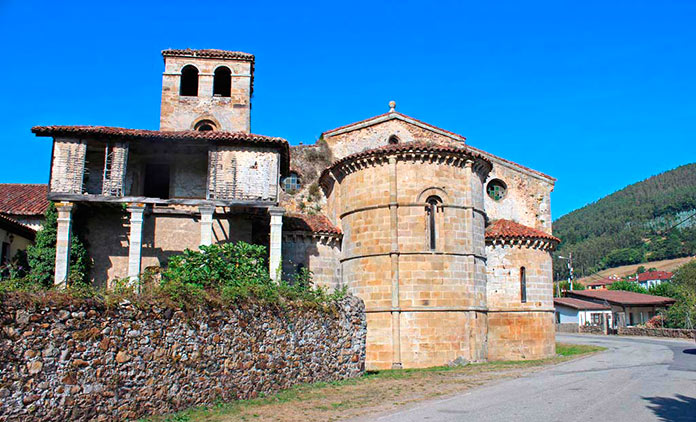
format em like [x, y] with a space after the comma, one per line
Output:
[449, 246]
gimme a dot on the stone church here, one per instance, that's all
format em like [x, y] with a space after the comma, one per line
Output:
[449, 246]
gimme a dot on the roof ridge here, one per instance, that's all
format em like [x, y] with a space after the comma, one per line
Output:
[395, 114]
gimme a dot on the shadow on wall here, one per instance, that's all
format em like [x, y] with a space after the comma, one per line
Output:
[668, 409]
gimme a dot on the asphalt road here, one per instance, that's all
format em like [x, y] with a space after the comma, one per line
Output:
[637, 379]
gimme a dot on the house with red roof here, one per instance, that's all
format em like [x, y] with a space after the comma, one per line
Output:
[653, 278]
[21, 214]
[627, 308]
[570, 310]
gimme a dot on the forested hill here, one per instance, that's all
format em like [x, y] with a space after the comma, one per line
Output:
[647, 221]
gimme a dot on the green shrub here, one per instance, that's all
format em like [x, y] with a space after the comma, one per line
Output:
[41, 256]
[630, 286]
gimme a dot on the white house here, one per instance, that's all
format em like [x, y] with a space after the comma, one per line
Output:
[581, 312]
[653, 278]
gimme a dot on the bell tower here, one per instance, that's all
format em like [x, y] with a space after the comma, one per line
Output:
[207, 90]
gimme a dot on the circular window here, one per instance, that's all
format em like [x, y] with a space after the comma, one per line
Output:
[393, 140]
[291, 184]
[496, 189]
[205, 126]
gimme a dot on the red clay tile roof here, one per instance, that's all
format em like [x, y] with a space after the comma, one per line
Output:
[579, 304]
[621, 297]
[655, 275]
[208, 54]
[405, 147]
[506, 229]
[173, 135]
[602, 282]
[395, 114]
[16, 227]
[309, 223]
[23, 199]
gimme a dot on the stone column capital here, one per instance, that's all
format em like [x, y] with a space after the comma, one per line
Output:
[135, 207]
[64, 206]
[206, 209]
[276, 211]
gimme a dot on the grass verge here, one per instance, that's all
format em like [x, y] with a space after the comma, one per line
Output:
[374, 392]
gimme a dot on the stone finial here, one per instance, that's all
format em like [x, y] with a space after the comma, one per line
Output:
[392, 106]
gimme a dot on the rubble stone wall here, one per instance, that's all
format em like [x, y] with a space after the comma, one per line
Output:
[658, 332]
[82, 361]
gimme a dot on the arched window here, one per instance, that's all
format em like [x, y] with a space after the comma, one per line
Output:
[205, 126]
[189, 81]
[222, 82]
[431, 210]
[523, 285]
[291, 184]
[393, 140]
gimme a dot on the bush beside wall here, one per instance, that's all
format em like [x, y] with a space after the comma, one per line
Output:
[81, 360]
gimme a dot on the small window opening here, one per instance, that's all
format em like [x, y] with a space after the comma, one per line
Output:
[393, 140]
[496, 189]
[189, 82]
[222, 82]
[291, 184]
[431, 210]
[157, 181]
[205, 126]
[523, 285]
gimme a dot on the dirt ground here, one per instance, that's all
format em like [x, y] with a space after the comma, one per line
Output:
[371, 394]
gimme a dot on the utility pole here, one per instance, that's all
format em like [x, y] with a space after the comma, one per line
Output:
[569, 258]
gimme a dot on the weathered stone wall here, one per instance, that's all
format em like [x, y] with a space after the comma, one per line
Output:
[506, 310]
[230, 114]
[319, 254]
[68, 165]
[567, 327]
[167, 231]
[244, 173]
[527, 200]
[657, 332]
[425, 307]
[520, 335]
[84, 362]
[347, 143]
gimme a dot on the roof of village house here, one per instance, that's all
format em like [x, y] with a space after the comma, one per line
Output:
[415, 147]
[580, 304]
[507, 229]
[23, 199]
[655, 275]
[16, 227]
[167, 135]
[602, 282]
[208, 53]
[621, 297]
[400, 116]
[316, 223]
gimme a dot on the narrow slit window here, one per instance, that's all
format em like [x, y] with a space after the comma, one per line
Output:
[431, 211]
[189, 82]
[222, 82]
[523, 285]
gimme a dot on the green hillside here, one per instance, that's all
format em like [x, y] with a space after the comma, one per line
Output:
[650, 220]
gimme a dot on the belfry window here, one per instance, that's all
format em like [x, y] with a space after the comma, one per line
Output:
[205, 126]
[431, 211]
[523, 285]
[189, 82]
[222, 82]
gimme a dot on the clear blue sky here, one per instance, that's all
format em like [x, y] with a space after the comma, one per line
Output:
[598, 94]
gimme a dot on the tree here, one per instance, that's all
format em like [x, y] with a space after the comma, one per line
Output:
[683, 313]
[42, 255]
[629, 286]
